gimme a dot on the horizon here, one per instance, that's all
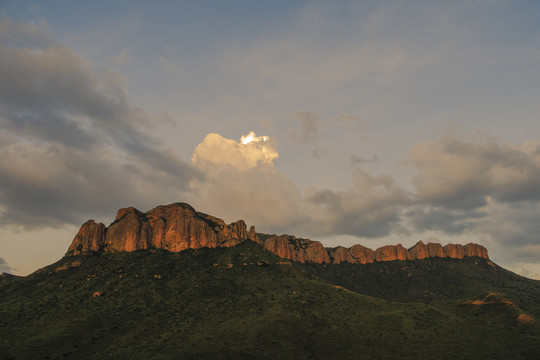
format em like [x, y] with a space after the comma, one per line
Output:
[343, 122]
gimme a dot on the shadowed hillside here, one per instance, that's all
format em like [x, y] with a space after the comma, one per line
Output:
[245, 302]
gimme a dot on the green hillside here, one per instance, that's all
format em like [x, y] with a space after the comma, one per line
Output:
[432, 279]
[246, 303]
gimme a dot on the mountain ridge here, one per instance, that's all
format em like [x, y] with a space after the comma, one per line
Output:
[174, 283]
[178, 226]
[246, 302]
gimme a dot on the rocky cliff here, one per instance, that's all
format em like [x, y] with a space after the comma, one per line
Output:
[362, 255]
[174, 227]
[178, 227]
[301, 250]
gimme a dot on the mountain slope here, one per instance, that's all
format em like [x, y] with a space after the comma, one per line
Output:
[432, 279]
[237, 302]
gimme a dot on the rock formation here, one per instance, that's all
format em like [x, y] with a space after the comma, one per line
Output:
[90, 237]
[419, 251]
[178, 227]
[174, 227]
[300, 250]
[391, 252]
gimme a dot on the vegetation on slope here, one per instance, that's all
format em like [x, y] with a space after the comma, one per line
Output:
[239, 302]
[432, 279]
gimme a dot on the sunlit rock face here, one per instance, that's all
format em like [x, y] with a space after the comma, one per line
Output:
[362, 255]
[475, 250]
[391, 252]
[173, 227]
[422, 251]
[178, 227]
[90, 238]
[356, 254]
[340, 255]
[436, 250]
[418, 251]
[455, 251]
[300, 250]
[129, 232]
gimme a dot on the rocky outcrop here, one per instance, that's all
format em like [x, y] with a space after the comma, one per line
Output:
[303, 250]
[475, 250]
[525, 319]
[178, 227]
[340, 255]
[391, 253]
[436, 250]
[455, 251]
[422, 251]
[300, 250]
[91, 237]
[174, 227]
[363, 255]
[418, 251]
[356, 254]
[129, 232]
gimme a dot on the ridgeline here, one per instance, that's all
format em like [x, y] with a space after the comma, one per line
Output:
[134, 291]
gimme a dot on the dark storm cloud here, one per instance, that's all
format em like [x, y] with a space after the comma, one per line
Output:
[72, 146]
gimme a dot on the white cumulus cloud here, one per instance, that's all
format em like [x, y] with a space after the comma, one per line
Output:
[241, 181]
[252, 151]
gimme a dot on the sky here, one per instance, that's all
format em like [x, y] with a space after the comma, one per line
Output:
[371, 122]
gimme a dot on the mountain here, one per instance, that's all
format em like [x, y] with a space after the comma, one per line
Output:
[178, 227]
[121, 293]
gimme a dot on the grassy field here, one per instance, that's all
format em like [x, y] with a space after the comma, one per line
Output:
[246, 303]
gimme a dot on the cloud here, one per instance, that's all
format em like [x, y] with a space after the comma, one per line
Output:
[72, 146]
[4, 267]
[459, 173]
[241, 181]
[513, 227]
[482, 187]
[356, 159]
[121, 58]
[309, 130]
[448, 221]
[251, 152]
[371, 207]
